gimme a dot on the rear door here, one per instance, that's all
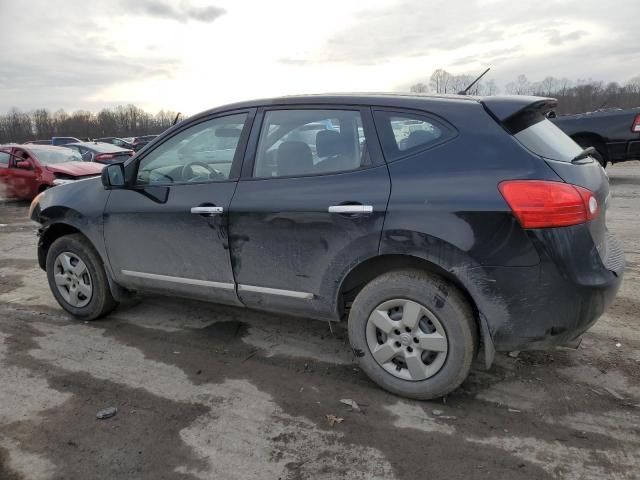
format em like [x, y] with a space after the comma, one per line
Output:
[309, 207]
[168, 233]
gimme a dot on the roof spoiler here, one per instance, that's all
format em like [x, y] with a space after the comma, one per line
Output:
[515, 110]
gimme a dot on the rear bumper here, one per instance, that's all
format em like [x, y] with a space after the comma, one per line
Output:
[553, 303]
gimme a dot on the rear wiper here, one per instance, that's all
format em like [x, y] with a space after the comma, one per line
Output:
[587, 152]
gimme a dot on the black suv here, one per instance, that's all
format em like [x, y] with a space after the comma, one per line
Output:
[437, 225]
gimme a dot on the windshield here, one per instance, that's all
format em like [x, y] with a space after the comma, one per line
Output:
[59, 155]
[545, 139]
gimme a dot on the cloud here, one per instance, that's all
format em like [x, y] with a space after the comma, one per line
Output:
[509, 36]
[183, 12]
[558, 38]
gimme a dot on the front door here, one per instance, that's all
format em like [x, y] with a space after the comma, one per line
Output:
[309, 207]
[22, 181]
[169, 232]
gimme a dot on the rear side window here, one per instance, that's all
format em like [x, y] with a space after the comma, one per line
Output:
[403, 134]
[299, 142]
[4, 159]
[545, 139]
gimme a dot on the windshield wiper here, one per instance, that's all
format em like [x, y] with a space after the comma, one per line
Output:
[586, 153]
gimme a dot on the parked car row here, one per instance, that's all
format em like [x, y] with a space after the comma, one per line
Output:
[130, 143]
[32, 167]
[26, 170]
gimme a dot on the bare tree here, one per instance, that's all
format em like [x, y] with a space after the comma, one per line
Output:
[419, 88]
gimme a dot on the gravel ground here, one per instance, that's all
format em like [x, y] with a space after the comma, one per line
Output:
[212, 392]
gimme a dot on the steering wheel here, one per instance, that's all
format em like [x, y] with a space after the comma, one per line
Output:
[188, 174]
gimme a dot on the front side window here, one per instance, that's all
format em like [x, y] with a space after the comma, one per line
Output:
[4, 159]
[201, 153]
[403, 134]
[310, 142]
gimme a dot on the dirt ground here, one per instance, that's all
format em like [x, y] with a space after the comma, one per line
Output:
[211, 392]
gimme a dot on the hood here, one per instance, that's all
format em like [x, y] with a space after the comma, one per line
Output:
[76, 169]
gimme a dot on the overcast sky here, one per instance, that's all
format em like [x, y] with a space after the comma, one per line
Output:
[189, 55]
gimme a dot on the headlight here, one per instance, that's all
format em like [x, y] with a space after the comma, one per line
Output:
[62, 181]
[35, 204]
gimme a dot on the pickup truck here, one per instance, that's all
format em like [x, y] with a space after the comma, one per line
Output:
[614, 133]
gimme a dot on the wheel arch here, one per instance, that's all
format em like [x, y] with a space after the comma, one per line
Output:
[52, 232]
[373, 267]
[49, 235]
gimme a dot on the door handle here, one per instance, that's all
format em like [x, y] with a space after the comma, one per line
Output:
[207, 210]
[351, 209]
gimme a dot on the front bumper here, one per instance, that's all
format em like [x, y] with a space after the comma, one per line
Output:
[555, 302]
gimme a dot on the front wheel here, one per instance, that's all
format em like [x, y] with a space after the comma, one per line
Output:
[414, 334]
[77, 278]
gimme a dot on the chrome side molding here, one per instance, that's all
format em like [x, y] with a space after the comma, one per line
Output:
[179, 280]
[275, 291]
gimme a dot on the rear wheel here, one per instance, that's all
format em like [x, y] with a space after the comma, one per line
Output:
[77, 278]
[413, 333]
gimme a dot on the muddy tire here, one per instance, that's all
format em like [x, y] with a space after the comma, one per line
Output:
[77, 278]
[413, 333]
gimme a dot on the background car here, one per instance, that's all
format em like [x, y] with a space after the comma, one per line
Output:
[139, 142]
[614, 133]
[26, 170]
[63, 140]
[118, 142]
[100, 152]
[38, 142]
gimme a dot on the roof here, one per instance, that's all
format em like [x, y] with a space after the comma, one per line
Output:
[501, 105]
[100, 146]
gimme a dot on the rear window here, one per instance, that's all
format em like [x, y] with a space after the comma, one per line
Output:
[547, 140]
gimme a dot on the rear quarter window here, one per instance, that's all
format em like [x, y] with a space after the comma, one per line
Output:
[403, 134]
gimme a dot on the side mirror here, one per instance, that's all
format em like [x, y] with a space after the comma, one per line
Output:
[24, 165]
[113, 176]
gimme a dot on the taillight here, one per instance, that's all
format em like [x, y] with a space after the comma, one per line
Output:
[543, 204]
[103, 156]
[635, 126]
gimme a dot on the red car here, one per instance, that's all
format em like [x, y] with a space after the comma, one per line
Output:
[26, 170]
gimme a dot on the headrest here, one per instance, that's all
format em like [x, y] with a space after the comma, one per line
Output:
[294, 158]
[330, 143]
[418, 137]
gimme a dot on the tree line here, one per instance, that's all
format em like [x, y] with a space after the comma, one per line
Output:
[574, 96]
[121, 121]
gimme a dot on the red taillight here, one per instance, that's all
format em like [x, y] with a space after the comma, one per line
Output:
[635, 126]
[104, 156]
[543, 204]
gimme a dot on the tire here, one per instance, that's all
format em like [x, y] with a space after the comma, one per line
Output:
[443, 312]
[65, 260]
